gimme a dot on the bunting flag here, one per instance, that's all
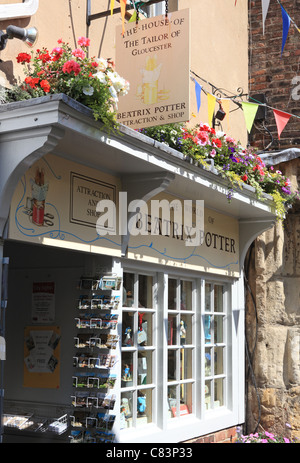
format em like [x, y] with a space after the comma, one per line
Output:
[112, 4]
[250, 110]
[123, 11]
[286, 22]
[225, 105]
[265, 7]
[281, 120]
[211, 101]
[198, 89]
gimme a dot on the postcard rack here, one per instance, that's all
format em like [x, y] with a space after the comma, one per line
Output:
[95, 344]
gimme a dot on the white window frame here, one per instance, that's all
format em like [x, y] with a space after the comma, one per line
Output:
[201, 421]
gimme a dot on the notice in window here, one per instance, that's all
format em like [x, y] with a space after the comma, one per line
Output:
[43, 303]
[41, 356]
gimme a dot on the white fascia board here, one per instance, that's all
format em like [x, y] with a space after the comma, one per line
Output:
[18, 10]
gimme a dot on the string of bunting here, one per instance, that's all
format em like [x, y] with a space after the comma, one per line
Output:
[286, 20]
[249, 109]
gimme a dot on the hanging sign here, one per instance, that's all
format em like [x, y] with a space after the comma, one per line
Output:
[153, 55]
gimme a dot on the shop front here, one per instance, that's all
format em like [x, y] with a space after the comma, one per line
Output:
[120, 327]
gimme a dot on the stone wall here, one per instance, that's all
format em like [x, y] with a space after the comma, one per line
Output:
[273, 324]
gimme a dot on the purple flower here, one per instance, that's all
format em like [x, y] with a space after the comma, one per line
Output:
[285, 190]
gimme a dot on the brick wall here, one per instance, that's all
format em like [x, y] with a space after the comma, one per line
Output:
[273, 75]
[225, 436]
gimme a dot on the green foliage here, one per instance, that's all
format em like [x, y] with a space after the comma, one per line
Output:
[239, 166]
[92, 82]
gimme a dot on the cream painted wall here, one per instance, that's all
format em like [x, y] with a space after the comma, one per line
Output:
[219, 44]
[219, 54]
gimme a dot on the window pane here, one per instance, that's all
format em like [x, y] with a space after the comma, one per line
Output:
[126, 410]
[207, 297]
[172, 367]
[186, 402]
[172, 401]
[144, 407]
[172, 296]
[219, 362]
[145, 291]
[218, 298]
[219, 392]
[127, 329]
[128, 290]
[207, 329]
[186, 363]
[186, 295]
[145, 368]
[127, 369]
[144, 337]
[186, 325]
[208, 394]
[172, 330]
[218, 328]
[208, 361]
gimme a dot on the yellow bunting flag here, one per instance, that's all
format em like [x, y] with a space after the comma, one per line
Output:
[250, 111]
[211, 101]
[112, 4]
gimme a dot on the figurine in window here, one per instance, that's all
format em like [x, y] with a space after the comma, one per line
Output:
[126, 375]
[182, 332]
[141, 404]
[127, 341]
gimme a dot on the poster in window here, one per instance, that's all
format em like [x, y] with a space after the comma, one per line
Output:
[42, 356]
[43, 303]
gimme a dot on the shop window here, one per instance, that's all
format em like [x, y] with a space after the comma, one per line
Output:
[172, 343]
[138, 351]
[215, 345]
[181, 347]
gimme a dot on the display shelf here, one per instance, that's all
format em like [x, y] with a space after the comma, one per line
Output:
[90, 380]
[95, 349]
[34, 420]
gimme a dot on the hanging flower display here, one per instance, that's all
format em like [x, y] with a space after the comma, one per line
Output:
[239, 166]
[93, 82]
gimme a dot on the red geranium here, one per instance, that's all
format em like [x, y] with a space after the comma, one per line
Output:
[23, 58]
[45, 86]
[32, 81]
[71, 66]
[44, 57]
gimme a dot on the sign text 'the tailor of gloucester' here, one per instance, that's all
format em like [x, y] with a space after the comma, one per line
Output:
[154, 57]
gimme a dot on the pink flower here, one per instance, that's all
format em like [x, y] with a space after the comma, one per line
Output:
[83, 42]
[286, 440]
[203, 137]
[71, 66]
[78, 53]
[213, 153]
[230, 140]
[56, 53]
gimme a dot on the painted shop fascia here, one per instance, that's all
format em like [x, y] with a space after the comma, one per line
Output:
[59, 126]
